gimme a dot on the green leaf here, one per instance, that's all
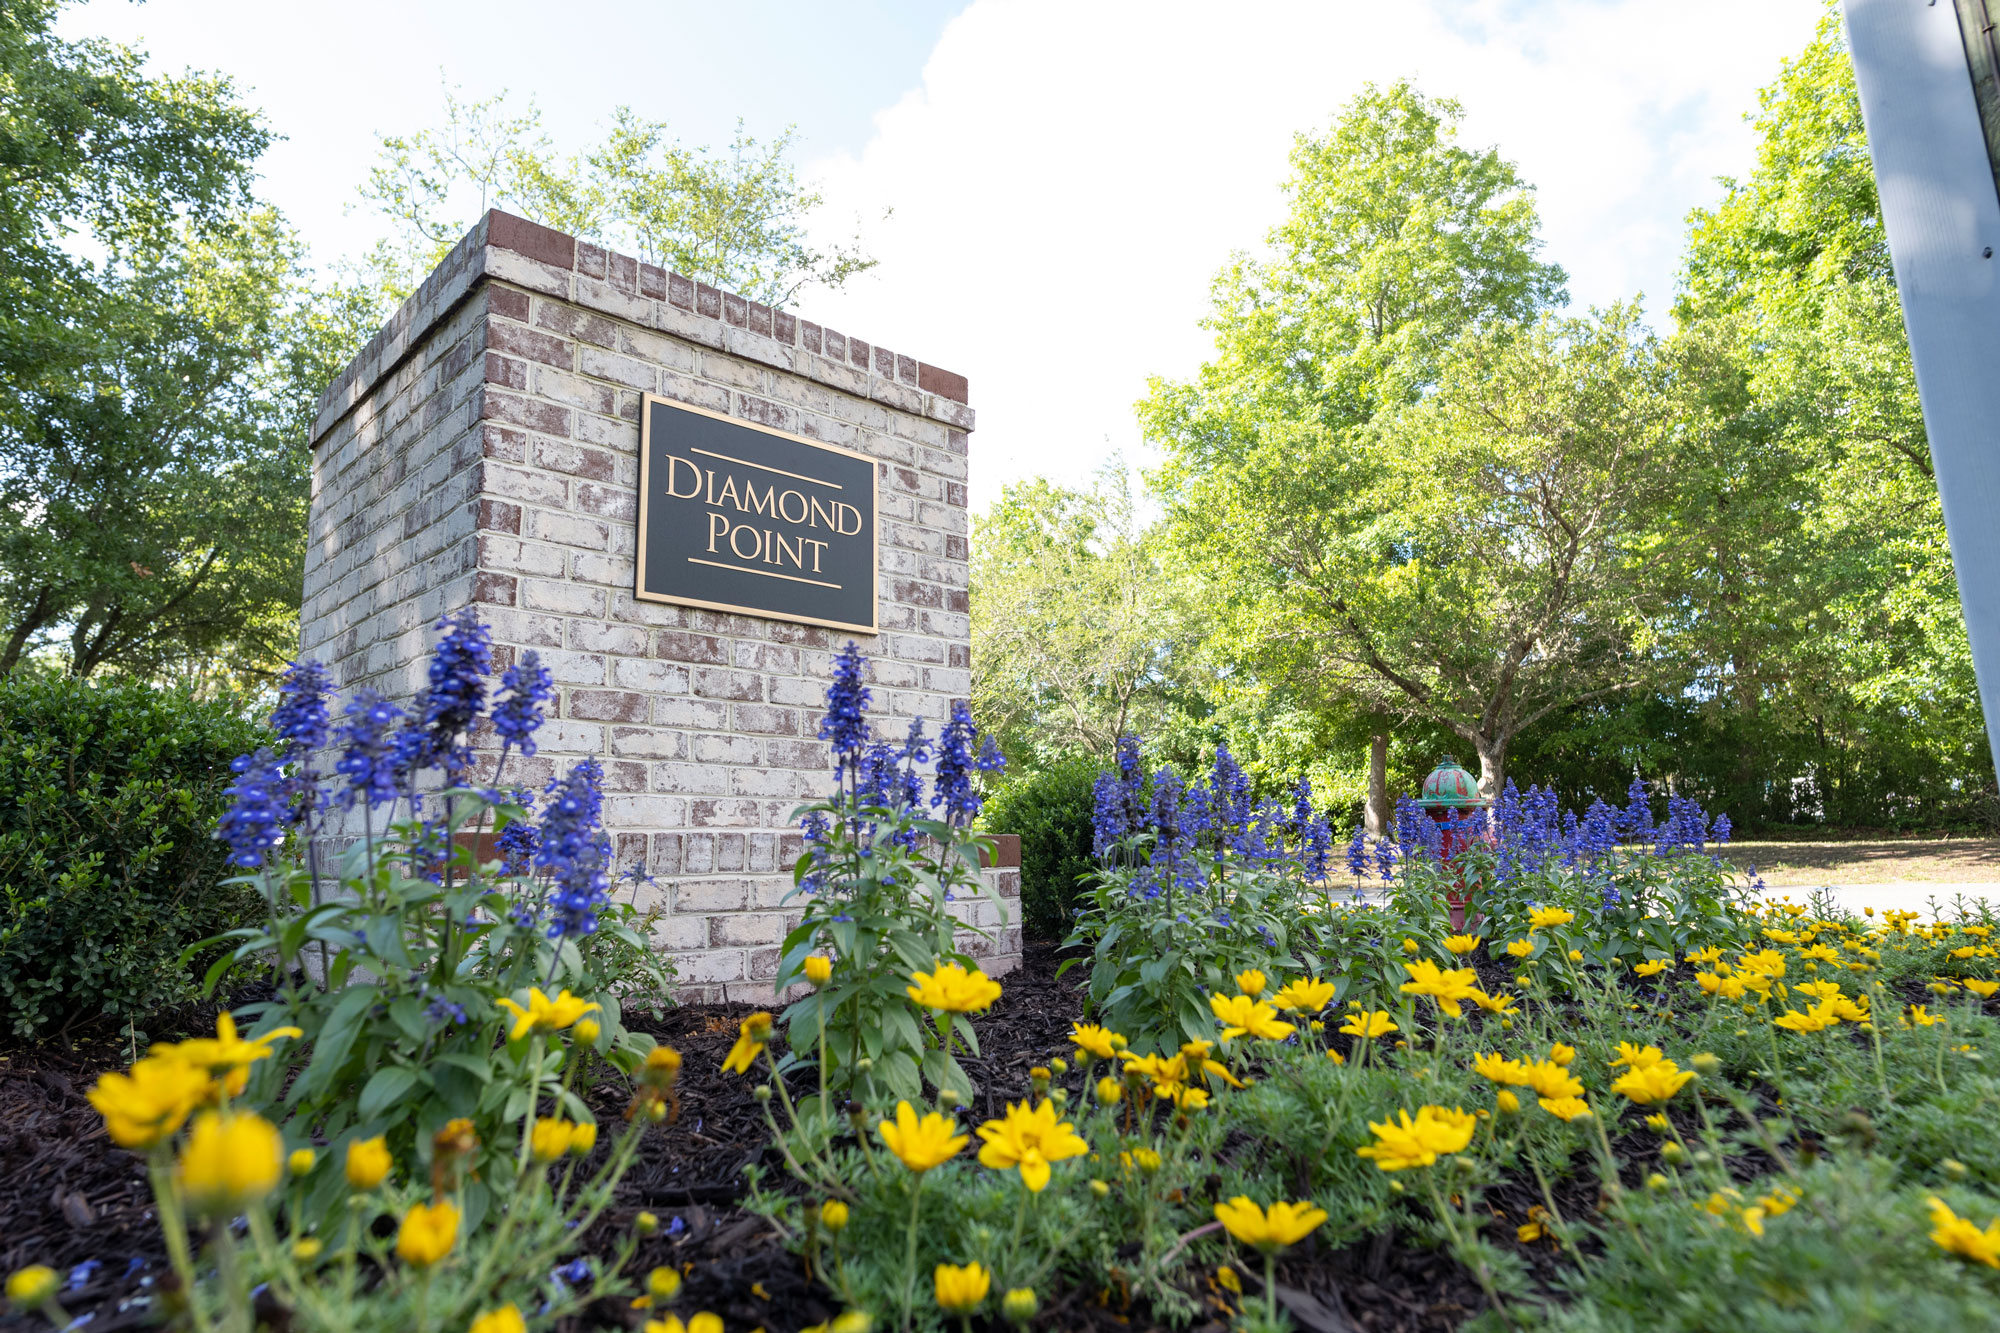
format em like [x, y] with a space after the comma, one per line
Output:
[335, 1039]
[387, 1087]
[474, 1065]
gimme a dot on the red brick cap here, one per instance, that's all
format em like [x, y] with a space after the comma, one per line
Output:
[546, 245]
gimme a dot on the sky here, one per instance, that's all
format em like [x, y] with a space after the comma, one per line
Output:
[1050, 185]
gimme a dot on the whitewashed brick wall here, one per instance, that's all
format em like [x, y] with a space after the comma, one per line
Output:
[483, 451]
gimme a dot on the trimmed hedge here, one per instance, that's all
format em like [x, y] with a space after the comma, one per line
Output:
[1051, 809]
[108, 868]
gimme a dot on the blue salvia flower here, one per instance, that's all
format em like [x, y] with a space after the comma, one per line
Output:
[1417, 832]
[880, 780]
[1637, 821]
[1197, 811]
[300, 719]
[916, 745]
[906, 783]
[1385, 860]
[1357, 852]
[1263, 840]
[1166, 810]
[302, 723]
[1231, 790]
[814, 829]
[990, 759]
[1509, 819]
[955, 766]
[453, 700]
[1599, 833]
[845, 725]
[574, 851]
[368, 757]
[516, 845]
[410, 753]
[1108, 819]
[1686, 826]
[1129, 767]
[517, 714]
[1318, 849]
[1410, 819]
[1723, 828]
[1163, 815]
[259, 809]
[1543, 841]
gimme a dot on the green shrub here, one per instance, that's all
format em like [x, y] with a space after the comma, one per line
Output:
[1051, 811]
[108, 798]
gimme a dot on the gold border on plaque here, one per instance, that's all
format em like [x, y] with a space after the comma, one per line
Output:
[645, 489]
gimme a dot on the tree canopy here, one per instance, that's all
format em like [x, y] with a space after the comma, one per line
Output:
[156, 335]
[1409, 488]
[736, 219]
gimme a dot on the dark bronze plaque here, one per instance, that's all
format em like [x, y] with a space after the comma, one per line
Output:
[736, 517]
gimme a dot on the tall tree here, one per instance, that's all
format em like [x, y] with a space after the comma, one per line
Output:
[161, 358]
[1077, 629]
[1399, 241]
[737, 219]
[1822, 598]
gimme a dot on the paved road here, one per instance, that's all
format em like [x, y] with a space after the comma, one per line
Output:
[1928, 897]
[1901, 895]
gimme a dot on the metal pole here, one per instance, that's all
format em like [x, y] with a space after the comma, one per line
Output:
[1942, 214]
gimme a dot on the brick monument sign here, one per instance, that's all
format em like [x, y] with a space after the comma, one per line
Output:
[484, 450]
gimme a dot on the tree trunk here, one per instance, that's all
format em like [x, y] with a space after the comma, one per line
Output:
[1492, 767]
[31, 620]
[1376, 814]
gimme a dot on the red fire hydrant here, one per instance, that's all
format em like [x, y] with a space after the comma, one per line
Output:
[1450, 795]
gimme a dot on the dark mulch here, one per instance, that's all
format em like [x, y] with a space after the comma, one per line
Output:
[71, 1199]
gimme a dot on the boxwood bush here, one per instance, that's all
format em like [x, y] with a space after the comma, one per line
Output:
[109, 795]
[1051, 809]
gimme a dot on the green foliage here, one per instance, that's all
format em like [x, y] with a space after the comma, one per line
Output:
[1832, 642]
[1079, 631]
[1783, 1183]
[108, 870]
[1381, 469]
[1154, 961]
[1639, 905]
[161, 359]
[1768, 613]
[1050, 810]
[739, 220]
[427, 964]
[1859, 1259]
[877, 887]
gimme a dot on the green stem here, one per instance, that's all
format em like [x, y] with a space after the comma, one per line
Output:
[173, 1226]
[230, 1271]
[534, 1099]
[825, 1125]
[1271, 1286]
[1458, 1244]
[423, 1299]
[910, 1251]
[1556, 1219]
[1875, 1036]
[1020, 1216]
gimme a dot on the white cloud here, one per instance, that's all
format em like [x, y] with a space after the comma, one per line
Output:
[1068, 177]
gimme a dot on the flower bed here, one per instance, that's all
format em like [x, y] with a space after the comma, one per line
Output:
[1621, 1099]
